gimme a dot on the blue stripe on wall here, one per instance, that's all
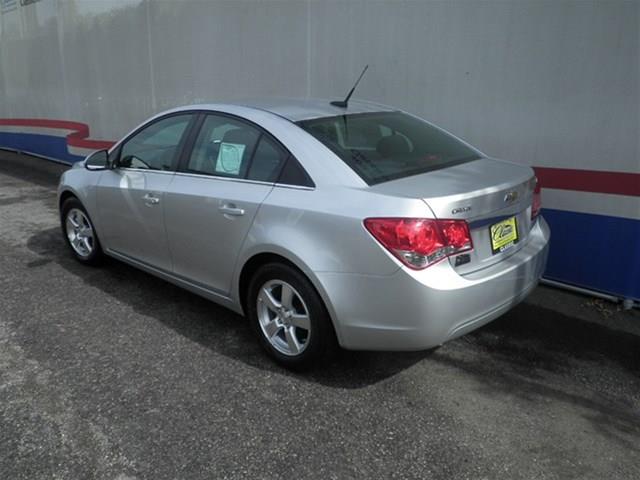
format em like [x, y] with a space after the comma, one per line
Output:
[46, 145]
[595, 251]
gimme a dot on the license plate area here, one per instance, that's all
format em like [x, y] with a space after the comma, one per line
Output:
[503, 235]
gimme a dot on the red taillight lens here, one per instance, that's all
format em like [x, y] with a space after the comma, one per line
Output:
[456, 232]
[536, 204]
[420, 242]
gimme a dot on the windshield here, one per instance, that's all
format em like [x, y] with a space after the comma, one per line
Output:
[386, 146]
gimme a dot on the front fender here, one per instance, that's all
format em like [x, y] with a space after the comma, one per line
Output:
[81, 183]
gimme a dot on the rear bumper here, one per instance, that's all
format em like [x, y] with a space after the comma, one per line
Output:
[415, 310]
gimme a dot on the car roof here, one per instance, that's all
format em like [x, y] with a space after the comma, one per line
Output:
[297, 109]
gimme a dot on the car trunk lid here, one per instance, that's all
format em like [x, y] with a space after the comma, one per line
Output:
[486, 193]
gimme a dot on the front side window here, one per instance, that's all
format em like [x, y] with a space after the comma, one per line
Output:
[156, 146]
[386, 146]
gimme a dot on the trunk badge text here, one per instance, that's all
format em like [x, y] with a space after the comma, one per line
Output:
[460, 210]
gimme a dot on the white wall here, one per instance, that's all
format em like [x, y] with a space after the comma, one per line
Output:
[547, 83]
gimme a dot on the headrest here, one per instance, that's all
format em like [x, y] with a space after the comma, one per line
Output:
[392, 145]
[239, 135]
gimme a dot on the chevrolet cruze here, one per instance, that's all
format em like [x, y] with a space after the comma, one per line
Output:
[356, 225]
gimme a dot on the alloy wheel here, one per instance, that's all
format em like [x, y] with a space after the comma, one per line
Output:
[80, 232]
[284, 317]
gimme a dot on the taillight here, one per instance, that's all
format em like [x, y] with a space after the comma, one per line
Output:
[420, 242]
[536, 204]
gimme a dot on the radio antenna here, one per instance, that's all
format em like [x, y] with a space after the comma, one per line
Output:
[345, 103]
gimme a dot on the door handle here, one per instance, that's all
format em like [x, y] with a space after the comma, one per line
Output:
[231, 209]
[150, 199]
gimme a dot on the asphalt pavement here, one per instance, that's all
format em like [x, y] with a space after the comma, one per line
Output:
[110, 373]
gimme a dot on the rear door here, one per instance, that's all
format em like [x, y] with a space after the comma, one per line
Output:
[211, 203]
[130, 197]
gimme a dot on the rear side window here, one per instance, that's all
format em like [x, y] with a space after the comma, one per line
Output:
[294, 174]
[385, 146]
[267, 161]
[228, 147]
[224, 147]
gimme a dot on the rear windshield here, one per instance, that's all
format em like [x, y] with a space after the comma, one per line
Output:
[386, 146]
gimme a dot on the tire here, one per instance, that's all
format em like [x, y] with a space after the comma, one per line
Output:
[79, 233]
[280, 324]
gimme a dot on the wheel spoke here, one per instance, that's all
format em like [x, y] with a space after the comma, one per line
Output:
[292, 341]
[77, 242]
[287, 296]
[271, 329]
[87, 243]
[300, 320]
[269, 300]
[74, 220]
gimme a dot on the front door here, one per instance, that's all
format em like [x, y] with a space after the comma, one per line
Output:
[130, 197]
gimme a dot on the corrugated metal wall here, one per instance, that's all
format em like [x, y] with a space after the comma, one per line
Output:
[544, 82]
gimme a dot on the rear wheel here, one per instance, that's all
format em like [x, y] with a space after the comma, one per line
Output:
[289, 317]
[79, 232]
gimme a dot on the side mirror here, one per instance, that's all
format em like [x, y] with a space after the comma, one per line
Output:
[97, 160]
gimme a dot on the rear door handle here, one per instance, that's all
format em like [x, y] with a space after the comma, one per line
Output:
[231, 209]
[150, 199]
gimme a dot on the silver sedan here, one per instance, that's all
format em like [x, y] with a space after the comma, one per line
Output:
[360, 226]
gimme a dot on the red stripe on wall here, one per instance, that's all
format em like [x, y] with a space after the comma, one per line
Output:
[77, 138]
[617, 183]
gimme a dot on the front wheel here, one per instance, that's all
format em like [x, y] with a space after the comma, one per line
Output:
[289, 317]
[79, 232]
